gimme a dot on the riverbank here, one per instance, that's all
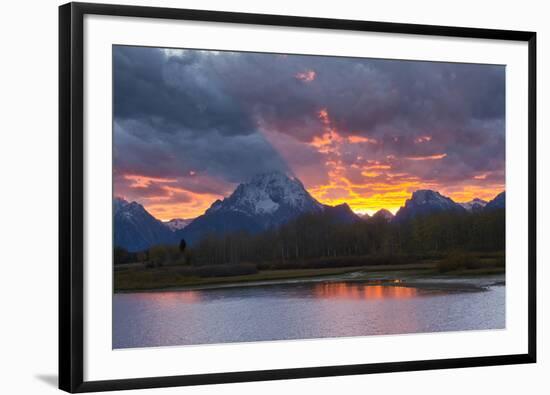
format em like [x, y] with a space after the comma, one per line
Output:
[419, 275]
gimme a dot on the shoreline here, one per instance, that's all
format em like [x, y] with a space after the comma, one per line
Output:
[398, 278]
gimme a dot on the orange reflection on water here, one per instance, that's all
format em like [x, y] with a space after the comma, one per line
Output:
[168, 298]
[359, 291]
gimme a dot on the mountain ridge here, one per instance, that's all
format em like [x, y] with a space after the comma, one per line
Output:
[135, 229]
[498, 202]
[426, 201]
[267, 201]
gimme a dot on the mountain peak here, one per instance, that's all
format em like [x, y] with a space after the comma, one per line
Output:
[426, 201]
[423, 196]
[364, 216]
[429, 197]
[268, 193]
[474, 205]
[383, 214]
[119, 203]
[178, 223]
[135, 229]
[267, 200]
[341, 213]
[119, 199]
[499, 202]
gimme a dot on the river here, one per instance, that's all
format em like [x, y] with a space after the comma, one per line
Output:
[298, 311]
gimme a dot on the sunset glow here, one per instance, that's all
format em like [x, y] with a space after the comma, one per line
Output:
[234, 167]
[190, 126]
[166, 211]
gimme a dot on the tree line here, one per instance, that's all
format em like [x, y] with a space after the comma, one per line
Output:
[313, 236]
[319, 237]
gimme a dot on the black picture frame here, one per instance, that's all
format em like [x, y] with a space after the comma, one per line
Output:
[71, 196]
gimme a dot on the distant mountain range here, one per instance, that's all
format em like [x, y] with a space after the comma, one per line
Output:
[266, 201]
[178, 223]
[380, 215]
[474, 205]
[425, 201]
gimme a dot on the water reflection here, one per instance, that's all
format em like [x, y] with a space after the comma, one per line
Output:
[170, 297]
[298, 311]
[344, 290]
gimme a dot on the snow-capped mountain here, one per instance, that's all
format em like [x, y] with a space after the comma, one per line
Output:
[266, 201]
[118, 204]
[474, 205]
[499, 202]
[425, 201]
[383, 214]
[137, 230]
[267, 194]
[178, 223]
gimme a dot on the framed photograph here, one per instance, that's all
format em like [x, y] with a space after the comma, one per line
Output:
[251, 197]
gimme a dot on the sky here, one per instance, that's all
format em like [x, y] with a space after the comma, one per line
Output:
[190, 125]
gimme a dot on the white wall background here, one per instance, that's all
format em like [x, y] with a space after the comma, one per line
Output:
[28, 194]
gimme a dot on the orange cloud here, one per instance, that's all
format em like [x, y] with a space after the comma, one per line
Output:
[323, 116]
[306, 76]
[328, 141]
[139, 181]
[195, 205]
[430, 157]
[423, 139]
[325, 142]
[481, 176]
[377, 167]
[371, 173]
[376, 190]
[361, 139]
[374, 186]
[368, 185]
[164, 198]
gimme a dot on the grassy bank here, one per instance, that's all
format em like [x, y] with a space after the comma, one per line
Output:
[165, 278]
[136, 277]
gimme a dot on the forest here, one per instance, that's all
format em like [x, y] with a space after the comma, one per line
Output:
[320, 238]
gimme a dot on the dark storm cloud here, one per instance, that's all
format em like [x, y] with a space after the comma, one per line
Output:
[175, 154]
[176, 92]
[173, 117]
[184, 112]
